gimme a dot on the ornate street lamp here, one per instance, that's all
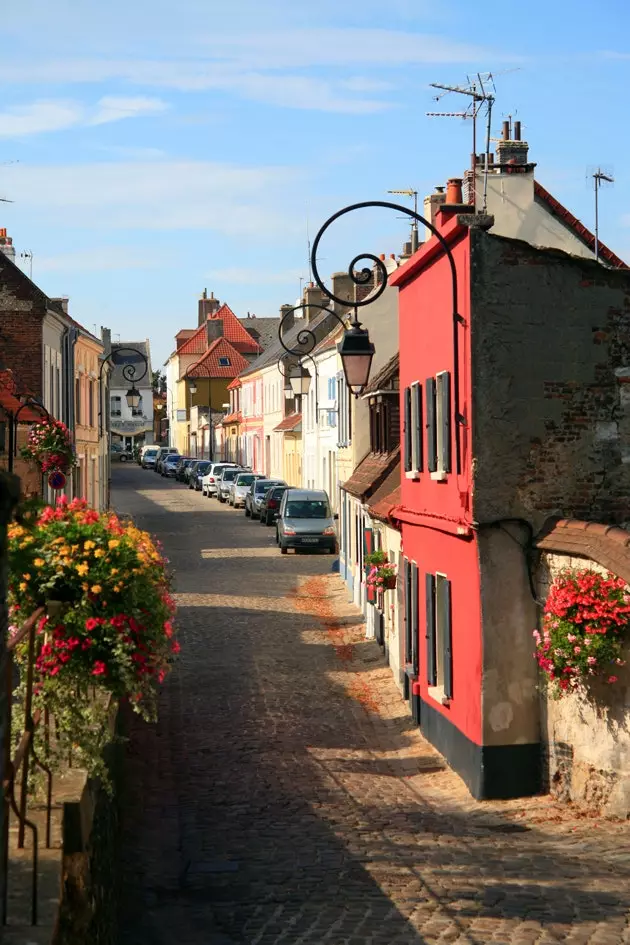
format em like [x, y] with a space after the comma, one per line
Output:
[132, 371]
[300, 380]
[192, 387]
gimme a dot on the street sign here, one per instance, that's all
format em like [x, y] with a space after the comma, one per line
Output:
[57, 480]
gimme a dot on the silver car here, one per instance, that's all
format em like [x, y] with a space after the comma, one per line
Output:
[212, 476]
[306, 520]
[256, 494]
[224, 483]
[240, 487]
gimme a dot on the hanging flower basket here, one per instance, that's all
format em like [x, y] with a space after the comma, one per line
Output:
[50, 446]
[382, 577]
[585, 625]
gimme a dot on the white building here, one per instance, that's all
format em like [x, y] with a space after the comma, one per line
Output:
[319, 422]
[130, 426]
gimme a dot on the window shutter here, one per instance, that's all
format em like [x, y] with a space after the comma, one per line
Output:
[408, 431]
[430, 630]
[431, 426]
[445, 590]
[417, 431]
[445, 419]
[368, 541]
[408, 631]
[415, 617]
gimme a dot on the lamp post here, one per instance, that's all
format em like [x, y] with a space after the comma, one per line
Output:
[131, 374]
[356, 350]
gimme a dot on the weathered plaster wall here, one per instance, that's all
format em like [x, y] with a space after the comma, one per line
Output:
[586, 739]
[550, 337]
[509, 695]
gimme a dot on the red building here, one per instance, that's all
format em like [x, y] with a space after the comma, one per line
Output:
[513, 415]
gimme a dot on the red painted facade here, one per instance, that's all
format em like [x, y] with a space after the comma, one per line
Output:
[435, 515]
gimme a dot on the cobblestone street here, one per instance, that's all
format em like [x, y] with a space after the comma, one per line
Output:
[285, 795]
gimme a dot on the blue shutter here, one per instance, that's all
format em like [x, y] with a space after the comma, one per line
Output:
[447, 656]
[445, 420]
[431, 425]
[408, 433]
[417, 431]
[415, 614]
[430, 629]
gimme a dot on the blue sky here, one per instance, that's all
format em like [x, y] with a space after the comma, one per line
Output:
[165, 147]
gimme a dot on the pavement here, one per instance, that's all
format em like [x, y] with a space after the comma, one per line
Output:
[285, 796]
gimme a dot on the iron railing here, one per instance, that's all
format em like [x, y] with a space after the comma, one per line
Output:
[17, 766]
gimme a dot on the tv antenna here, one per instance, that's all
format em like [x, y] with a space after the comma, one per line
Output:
[415, 242]
[599, 177]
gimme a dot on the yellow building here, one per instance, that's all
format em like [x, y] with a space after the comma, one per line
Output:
[90, 475]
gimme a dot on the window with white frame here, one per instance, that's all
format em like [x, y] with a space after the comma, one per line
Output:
[439, 636]
[332, 398]
[438, 422]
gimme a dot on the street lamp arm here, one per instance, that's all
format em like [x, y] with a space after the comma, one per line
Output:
[130, 372]
[306, 338]
[356, 349]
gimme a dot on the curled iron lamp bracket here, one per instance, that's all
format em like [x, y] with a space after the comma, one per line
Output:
[362, 277]
[130, 371]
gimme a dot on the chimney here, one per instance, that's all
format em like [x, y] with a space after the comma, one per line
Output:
[214, 329]
[512, 151]
[6, 245]
[454, 202]
[288, 319]
[313, 295]
[106, 338]
[207, 307]
[343, 286]
[432, 204]
[63, 303]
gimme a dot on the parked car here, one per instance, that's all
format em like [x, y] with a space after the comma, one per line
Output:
[209, 481]
[150, 458]
[182, 466]
[226, 479]
[200, 470]
[120, 453]
[169, 465]
[240, 487]
[270, 505]
[143, 450]
[305, 520]
[256, 494]
[163, 452]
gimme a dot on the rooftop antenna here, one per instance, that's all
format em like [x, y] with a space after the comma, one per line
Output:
[308, 247]
[599, 177]
[415, 242]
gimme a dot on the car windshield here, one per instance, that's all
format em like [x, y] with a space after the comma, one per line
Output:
[151, 453]
[202, 468]
[172, 459]
[229, 474]
[263, 485]
[245, 480]
[276, 493]
[307, 508]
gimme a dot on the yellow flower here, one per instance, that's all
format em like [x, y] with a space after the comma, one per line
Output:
[88, 545]
[26, 577]
[99, 553]
[82, 569]
[23, 586]
[113, 543]
[85, 587]
[74, 548]
[114, 571]
[96, 588]
[58, 541]
[39, 562]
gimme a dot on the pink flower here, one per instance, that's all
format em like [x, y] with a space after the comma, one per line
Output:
[591, 661]
[100, 669]
[612, 679]
[175, 647]
[577, 649]
[571, 637]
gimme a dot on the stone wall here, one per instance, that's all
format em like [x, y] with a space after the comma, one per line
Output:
[586, 739]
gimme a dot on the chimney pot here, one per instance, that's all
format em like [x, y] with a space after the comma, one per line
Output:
[439, 189]
[382, 256]
[454, 190]
[506, 131]
[517, 131]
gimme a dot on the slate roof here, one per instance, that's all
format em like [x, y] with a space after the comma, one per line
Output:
[289, 424]
[321, 325]
[209, 364]
[387, 496]
[117, 379]
[371, 473]
[233, 330]
[264, 330]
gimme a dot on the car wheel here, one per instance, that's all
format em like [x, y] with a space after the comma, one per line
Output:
[269, 520]
[283, 549]
[247, 512]
[123, 459]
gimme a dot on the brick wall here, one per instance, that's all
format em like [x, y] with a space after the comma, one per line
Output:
[22, 310]
[550, 341]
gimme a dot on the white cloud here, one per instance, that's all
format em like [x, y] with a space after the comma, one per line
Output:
[39, 117]
[160, 195]
[114, 108]
[97, 259]
[21, 120]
